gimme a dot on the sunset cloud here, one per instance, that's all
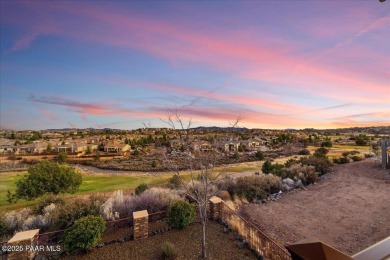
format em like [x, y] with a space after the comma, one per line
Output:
[106, 62]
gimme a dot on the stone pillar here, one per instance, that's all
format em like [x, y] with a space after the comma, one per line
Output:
[141, 222]
[215, 208]
[22, 243]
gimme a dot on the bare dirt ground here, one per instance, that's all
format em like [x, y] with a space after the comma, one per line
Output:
[349, 210]
[186, 242]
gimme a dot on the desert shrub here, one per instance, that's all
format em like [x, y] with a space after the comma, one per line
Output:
[326, 144]
[168, 251]
[3, 228]
[322, 165]
[36, 222]
[321, 152]
[62, 157]
[354, 152]
[106, 209]
[141, 188]
[227, 184]
[341, 160]
[361, 141]
[153, 200]
[249, 190]
[356, 158]
[46, 201]
[259, 155]
[175, 181]
[180, 214]
[224, 195]
[304, 152]
[14, 220]
[369, 155]
[305, 173]
[290, 162]
[257, 186]
[84, 233]
[277, 169]
[75, 209]
[154, 164]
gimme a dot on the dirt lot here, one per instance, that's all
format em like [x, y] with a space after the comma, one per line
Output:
[220, 245]
[349, 210]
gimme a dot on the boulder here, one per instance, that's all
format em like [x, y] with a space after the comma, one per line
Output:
[288, 182]
[299, 184]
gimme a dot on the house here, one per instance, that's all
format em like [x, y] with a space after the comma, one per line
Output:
[116, 148]
[202, 146]
[231, 146]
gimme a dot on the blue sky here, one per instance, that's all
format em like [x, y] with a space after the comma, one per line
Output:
[278, 64]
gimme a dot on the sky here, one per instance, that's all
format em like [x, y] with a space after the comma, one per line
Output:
[122, 64]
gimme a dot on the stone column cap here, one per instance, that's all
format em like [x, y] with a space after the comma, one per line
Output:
[215, 199]
[25, 235]
[140, 214]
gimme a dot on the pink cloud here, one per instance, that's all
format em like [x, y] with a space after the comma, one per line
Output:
[47, 114]
[26, 40]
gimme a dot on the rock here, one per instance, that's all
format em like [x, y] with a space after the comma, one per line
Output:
[121, 240]
[264, 201]
[299, 184]
[99, 245]
[225, 230]
[288, 182]
[286, 187]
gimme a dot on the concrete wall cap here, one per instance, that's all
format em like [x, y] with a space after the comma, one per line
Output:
[215, 199]
[140, 214]
[25, 235]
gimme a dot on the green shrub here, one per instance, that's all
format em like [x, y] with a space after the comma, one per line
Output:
[267, 167]
[341, 160]
[259, 155]
[84, 233]
[175, 181]
[48, 177]
[356, 158]
[62, 157]
[290, 162]
[304, 152]
[345, 154]
[154, 164]
[168, 251]
[141, 188]
[321, 152]
[326, 144]
[180, 214]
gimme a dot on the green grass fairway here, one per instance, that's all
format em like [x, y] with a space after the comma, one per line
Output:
[101, 183]
[337, 150]
[91, 183]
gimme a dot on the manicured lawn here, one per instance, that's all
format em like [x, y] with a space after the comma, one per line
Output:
[337, 150]
[91, 183]
[101, 183]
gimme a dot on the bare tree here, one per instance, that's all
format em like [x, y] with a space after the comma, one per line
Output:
[201, 169]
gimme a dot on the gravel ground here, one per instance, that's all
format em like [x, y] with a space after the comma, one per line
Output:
[349, 210]
[187, 242]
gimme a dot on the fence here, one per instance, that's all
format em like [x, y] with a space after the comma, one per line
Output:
[259, 241]
[118, 229]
